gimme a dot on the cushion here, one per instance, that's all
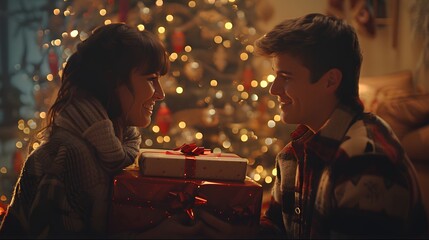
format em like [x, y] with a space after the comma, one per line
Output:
[405, 114]
[373, 90]
[416, 144]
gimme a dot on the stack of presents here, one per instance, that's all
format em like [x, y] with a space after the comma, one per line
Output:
[163, 183]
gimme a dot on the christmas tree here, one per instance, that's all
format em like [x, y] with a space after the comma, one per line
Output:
[217, 89]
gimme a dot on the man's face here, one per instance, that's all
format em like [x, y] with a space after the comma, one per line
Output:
[300, 101]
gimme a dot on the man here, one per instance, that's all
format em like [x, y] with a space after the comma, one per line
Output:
[344, 173]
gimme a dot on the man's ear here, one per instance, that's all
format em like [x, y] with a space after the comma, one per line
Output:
[334, 77]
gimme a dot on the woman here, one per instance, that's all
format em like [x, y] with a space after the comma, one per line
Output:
[109, 87]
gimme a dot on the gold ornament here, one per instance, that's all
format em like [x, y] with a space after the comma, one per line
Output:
[193, 71]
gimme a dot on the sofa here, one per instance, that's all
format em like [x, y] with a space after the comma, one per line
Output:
[405, 107]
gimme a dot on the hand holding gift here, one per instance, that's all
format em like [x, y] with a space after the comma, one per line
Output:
[216, 228]
[171, 227]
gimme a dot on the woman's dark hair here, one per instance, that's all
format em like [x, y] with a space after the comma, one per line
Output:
[105, 61]
[321, 43]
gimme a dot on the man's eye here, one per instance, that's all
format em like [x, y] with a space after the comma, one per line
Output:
[283, 77]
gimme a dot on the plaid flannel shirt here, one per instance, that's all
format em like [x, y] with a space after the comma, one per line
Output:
[351, 179]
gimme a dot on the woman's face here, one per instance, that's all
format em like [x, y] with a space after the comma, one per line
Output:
[137, 105]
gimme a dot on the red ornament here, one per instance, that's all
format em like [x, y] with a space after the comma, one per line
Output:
[3, 208]
[53, 62]
[18, 161]
[163, 118]
[124, 6]
[178, 41]
[247, 78]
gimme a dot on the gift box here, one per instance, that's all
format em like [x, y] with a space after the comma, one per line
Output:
[189, 164]
[141, 202]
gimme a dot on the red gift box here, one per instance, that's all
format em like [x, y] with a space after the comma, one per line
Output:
[140, 202]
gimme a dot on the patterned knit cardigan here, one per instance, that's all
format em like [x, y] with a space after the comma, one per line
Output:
[64, 189]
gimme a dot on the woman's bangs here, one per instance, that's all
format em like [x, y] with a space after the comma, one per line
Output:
[154, 59]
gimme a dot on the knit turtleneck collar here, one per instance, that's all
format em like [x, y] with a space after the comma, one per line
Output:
[80, 114]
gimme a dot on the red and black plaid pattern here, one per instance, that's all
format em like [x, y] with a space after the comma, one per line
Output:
[350, 179]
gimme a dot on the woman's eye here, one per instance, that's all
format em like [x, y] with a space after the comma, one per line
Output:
[152, 79]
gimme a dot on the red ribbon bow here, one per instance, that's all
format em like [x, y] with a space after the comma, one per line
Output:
[187, 202]
[192, 149]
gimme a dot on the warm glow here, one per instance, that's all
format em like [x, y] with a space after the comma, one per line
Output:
[226, 43]
[141, 27]
[188, 48]
[268, 179]
[244, 56]
[226, 144]
[35, 145]
[192, 4]
[217, 39]
[56, 11]
[74, 33]
[256, 177]
[244, 95]
[263, 84]
[179, 90]
[148, 142]
[169, 18]
[228, 25]
[213, 83]
[274, 172]
[250, 48]
[57, 42]
[240, 87]
[173, 56]
[243, 131]
[270, 78]
[107, 22]
[182, 124]
[271, 104]
[49, 77]
[254, 83]
[198, 135]
[184, 58]
[155, 129]
[102, 12]
[161, 30]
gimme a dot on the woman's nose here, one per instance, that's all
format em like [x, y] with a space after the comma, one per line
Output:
[159, 92]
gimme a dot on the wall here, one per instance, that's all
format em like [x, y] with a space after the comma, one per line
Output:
[380, 57]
